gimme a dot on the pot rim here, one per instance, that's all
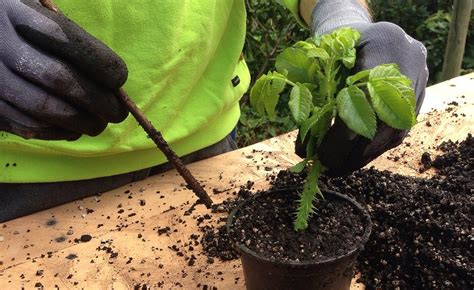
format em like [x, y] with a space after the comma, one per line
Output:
[365, 219]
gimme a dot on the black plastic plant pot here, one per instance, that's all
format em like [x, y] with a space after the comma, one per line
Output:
[333, 273]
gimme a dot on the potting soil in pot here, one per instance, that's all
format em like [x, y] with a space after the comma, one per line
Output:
[265, 226]
[422, 235]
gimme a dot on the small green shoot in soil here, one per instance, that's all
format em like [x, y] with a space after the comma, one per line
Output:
[317, 71]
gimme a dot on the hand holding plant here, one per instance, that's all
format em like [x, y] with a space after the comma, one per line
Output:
[317, 74]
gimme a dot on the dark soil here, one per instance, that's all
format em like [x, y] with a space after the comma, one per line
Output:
[85, 238]
[265, 226]
[221, 247]
[422, 235]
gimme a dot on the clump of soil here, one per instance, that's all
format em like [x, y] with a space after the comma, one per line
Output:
[455, 167]
[265, 225]
[422, 235]
[221, 247]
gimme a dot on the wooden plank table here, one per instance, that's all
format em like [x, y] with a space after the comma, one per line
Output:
[125, 250]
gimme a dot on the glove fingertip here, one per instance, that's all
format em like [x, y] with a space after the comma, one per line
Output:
[119, 116]
[96, 130]
[112, 72]
[74, 45]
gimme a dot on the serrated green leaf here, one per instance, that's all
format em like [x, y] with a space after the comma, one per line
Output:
[318, 100]
[309, 123]
[407, 92]
[304, 129]
[356, 112]
[296, 63]
[305, 45]
[348, 36]
[265, 94]
[390, 73]
[338, 48]
[360, 76]
[318, 53]
[321, 128]
[301, 103]
[321, 81]
[312, 71]
[300, 166]
[343, 45]
[327, 88]
[384, 71]
[390, 106]
[257, 94]
[275, 74]
[276, 86]
[326, 42]
[311, 86]
[349, 58]
[284, 73]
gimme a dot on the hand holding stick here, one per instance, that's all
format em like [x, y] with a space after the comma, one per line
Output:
[161, 143]
[155, 135]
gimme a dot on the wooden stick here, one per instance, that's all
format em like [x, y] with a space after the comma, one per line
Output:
[161, 143]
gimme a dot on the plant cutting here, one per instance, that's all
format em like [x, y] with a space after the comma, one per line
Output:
[319, 245]
[321, 89]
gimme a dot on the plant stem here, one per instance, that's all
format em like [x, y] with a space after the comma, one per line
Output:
[161, 143]
[307, 197]
[328, 74]
[289, 82]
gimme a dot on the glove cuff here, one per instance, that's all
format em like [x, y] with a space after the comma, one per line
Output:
[331, 14]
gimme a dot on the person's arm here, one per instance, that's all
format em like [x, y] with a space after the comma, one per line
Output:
[306, 8]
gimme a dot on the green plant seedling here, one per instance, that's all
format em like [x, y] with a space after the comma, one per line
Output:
[317, 72]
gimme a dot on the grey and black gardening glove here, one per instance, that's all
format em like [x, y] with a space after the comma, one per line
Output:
[57, 82]
[343, 151]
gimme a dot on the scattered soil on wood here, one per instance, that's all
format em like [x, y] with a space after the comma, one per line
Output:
[215, 241]
[422, 235]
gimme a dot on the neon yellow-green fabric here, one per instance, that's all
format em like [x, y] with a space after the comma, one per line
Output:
[181, 55]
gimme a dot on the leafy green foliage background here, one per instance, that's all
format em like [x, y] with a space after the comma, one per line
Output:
[427, 21]
[271, 28]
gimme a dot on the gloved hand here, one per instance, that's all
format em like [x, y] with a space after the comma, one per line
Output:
[57, 82]
[343, 151]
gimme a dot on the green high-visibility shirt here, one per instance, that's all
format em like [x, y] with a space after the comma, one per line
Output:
[182, 57]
